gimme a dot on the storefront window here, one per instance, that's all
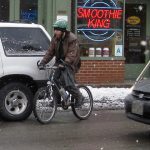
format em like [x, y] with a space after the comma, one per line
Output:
[100, 27]
[29, 10]
[4, 10]
[135, 32]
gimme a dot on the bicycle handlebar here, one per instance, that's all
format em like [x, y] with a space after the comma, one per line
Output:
[50, 67]
[45, 66]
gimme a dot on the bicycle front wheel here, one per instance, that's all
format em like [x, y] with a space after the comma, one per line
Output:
[84, 111]
[44, 106]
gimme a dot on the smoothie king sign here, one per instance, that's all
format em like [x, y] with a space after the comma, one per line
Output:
[98, 20]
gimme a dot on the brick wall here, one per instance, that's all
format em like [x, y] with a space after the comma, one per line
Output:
[101, 71]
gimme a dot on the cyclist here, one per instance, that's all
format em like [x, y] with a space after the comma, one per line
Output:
[64, 46]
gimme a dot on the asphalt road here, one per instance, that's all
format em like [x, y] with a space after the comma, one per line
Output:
[104, 130]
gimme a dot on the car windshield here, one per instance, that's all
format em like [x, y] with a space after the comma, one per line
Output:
[24, 41]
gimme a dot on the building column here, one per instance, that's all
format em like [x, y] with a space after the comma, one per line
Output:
[17, 9]
[11, 10]
[49, 16]
[14, 10]
[41, 12]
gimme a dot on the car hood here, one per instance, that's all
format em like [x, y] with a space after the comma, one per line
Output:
[143, 86]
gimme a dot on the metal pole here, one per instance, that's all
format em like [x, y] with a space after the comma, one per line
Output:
[143, 71]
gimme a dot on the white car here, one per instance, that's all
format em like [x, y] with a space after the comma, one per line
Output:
[21, 46]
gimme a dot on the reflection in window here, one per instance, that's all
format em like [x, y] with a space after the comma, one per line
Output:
[29, 10]
[20, 41]
[4, 10]
[100, 27]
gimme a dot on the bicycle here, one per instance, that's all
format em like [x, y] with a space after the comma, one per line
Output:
[45, 106]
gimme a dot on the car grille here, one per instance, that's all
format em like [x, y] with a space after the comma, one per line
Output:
[141, 95]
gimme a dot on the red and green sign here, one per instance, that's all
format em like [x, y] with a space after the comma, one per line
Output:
[98, 19]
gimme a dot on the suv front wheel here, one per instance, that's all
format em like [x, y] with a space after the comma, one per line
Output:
[15, 102]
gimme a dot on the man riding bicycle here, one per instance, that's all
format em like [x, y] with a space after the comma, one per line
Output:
[64, 46]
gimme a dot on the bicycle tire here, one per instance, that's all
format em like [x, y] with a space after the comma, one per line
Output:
[46, 104]
[84, 111]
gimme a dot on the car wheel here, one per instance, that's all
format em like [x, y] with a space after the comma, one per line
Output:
[15, 102]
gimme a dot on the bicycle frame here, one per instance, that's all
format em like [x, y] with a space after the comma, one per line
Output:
[51, 83]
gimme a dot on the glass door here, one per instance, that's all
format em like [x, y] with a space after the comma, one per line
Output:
[135, 33]
[4, 10]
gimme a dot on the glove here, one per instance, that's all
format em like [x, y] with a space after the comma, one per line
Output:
[41, 66]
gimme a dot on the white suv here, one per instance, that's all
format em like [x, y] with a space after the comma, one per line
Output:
[21, 46]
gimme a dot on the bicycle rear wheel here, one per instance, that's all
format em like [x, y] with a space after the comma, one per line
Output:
[44, 107]
[84, 111]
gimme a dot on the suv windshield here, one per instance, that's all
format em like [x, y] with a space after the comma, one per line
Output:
[24, 41]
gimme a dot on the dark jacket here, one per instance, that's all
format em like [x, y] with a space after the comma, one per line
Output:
[70, 47]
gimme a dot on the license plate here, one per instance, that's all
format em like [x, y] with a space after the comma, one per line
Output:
[137, 107]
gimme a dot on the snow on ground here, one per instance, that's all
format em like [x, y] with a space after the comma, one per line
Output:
[109, 98]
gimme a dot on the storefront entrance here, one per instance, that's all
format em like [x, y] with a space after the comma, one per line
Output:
[136, 34]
